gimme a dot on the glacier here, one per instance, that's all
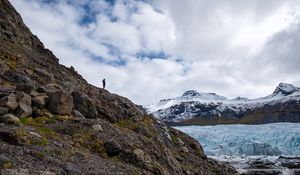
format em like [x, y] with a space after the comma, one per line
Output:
[239, 140]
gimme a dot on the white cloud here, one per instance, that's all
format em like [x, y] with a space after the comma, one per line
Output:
[234, 48]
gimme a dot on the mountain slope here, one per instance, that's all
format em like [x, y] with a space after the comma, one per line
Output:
[193, 107]
[54, 122]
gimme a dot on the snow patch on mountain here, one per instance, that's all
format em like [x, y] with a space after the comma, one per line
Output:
[182, 108]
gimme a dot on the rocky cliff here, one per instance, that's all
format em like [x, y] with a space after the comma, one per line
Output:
[54, 122]
[193, 107]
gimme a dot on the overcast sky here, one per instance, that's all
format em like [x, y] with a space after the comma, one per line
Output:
[149, 50]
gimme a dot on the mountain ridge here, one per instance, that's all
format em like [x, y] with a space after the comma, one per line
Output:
[210, 106]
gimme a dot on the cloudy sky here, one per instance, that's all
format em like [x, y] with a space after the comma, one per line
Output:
[153, 49]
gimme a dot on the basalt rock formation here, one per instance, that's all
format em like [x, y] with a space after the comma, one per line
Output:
[54, 122]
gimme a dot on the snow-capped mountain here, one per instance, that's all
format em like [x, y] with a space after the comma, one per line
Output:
[193, 107]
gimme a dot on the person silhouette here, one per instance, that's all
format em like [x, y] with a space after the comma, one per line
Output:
[103, 83]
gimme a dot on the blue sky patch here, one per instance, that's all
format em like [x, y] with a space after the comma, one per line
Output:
[153, 55]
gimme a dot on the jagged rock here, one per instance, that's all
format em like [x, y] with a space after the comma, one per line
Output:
[84, 104]
[77, 114]
[35, 93]
[9, 102]
[181, 143]
[16, 77]
[36, 112]
[139, 155]
[184, 149]
[49, 88]
[25, 87]
[97, 127]
[173, 162]
[105, 114]
[40, 100]
[42, 76]
[10, 119]
[68, 86]
[60, 102]
[5, 91]
[112, 147]
[24, 102]
[290, 162]
[3, 110]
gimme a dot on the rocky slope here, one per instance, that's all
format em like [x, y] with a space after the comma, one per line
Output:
[193, 107]
[54, 122]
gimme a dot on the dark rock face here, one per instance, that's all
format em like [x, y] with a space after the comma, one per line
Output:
[9, 102]
[24, 102]
[10, 119]
[68, 126]
[60, 102]
[276, 167]
[84, 104]
[112, 147]
[25, 87]
[3, 110]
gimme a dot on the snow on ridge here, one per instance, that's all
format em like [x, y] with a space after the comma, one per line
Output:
[282, 93]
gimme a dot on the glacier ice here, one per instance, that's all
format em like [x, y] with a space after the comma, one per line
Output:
[231, 140]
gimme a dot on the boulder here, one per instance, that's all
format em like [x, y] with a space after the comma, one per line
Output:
[16, 77]
[24, 102]
[6, 90]
[139, 155]
[112, 147]
[49, 88]
[185, 149]
[40, 100]
[97, 128]
[72, 169]
[84, 104]
[60, 102]
[77, 114]
[25, 87]
[36, 112]
[10, 119]
[9, 102]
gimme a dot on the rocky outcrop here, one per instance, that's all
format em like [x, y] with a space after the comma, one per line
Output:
[60, 102]
[54, 122]
[9, 102]
[10, 119]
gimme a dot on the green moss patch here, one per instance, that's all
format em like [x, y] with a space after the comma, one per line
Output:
[39, 121]
[127, 124]
[10, 61]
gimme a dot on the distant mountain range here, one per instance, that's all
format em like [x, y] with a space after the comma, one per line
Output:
[198, 108]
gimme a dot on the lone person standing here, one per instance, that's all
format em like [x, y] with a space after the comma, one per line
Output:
[103, 83]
